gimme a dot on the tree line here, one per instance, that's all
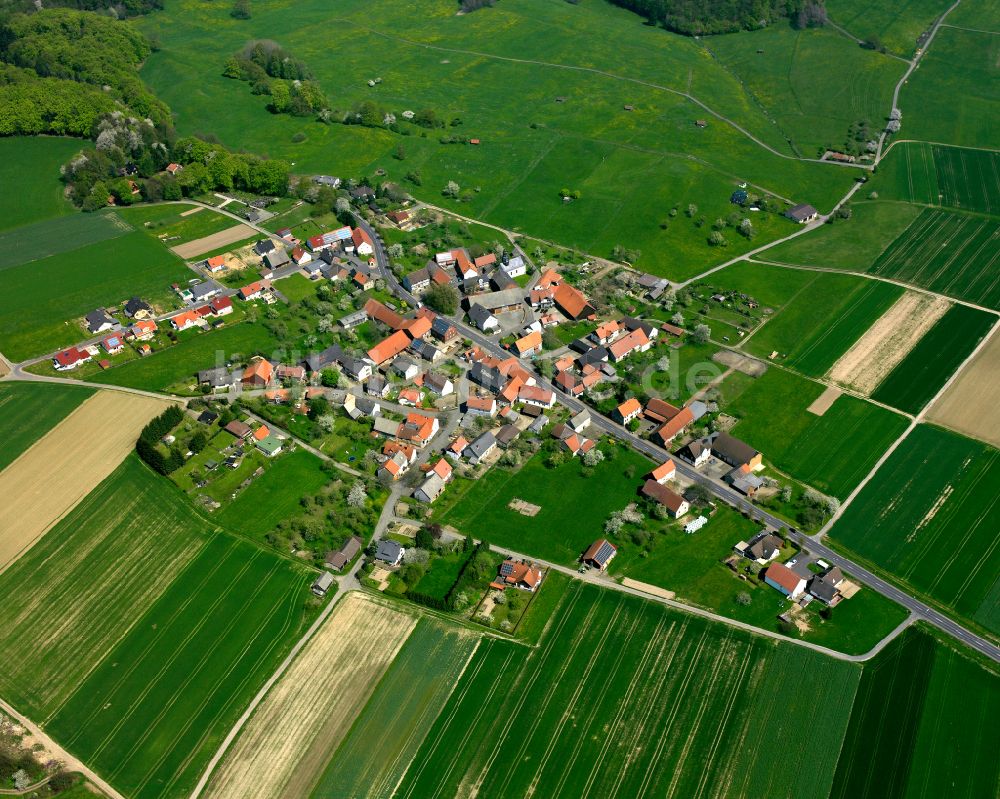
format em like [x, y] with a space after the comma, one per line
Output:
[699, 17]
[272, 71]
[151, 435]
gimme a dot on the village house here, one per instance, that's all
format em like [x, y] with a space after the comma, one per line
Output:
[675, 504]
[522, 574]
[258, 373]
[628, 410]
[634, 341]
[780, 577]
[430, 489]
[203, 292]
[185, 320]
[99, 321]
[580, 421]
[676, 420]
[537, 396]
[802, 213]
[389, 552]
[339, 558]
[762, 548]
[695, 452]
[113, 344]
[240, 430]
[221, 306]
[482, 318]
[481, 447]
[389, 348]
[215, 264]
[664, 472]
[439, 384]
[731, 450]
[481, 406]
[394, 467]
[599, 554]
[69, 359]
[826, 586]
[456, 448]
[137, 308]
[529, 345]
[405, 368]
[443, 330]
[143, 330]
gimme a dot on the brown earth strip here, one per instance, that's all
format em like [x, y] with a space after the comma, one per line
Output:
[971, 405]
[62, 467]
[230, 235]
[823, 402]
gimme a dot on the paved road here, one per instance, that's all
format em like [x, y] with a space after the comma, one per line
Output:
[719, 489]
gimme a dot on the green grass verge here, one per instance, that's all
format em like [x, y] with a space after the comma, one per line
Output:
[29, 410]
[929, 517]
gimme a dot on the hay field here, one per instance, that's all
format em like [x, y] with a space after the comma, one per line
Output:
[888, 341]
[285, 745]
[971, 405]
[44, 483]
[214, 241]
[29, 410]
[605, 706]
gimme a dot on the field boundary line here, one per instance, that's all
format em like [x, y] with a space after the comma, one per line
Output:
[264, 689]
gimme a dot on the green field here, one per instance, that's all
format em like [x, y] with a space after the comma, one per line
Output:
[602, 707]
[42, 299]
[955, 94]
[166, 223]
[771, 286]
[968, 179]
[399, 714]
[29, 173]
[908, 172]
[788, 72]
[572, 512]
[29, 410]
[275, 494]
[852, 245]
[823, 320]
[157, 632]
[949, 253]
[175, 367]
[941, 350]
[60, 235]
[929, 517]
[500, 73]
[832, 452]
[922, 725]
[897, 23]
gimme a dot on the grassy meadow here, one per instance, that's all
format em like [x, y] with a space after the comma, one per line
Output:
[921, 724]
[601, 708]
[499, 73]
[896, 23]
[934, 358]
[59, 235]
[572, 513]
[29, 173]
[929, 518]
[29, 410]
[832, 452]
[44, 298]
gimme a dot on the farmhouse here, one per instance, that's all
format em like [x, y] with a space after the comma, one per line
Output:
[802, 213]
[675, 504]
[677, 419]
[599, 554]
[665, 471]
[530, 344]
[696, 453]
[501, 301]
[537, 396]
[786, 581]
[628, 410]
[521, 574]
[430, 489]
[389, 348]
[258, 373]
[572, 303]
[635, 341]
[731, 450]
[338, 559]
[482, 318]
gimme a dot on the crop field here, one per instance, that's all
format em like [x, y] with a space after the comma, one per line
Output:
[29, 173]
[787, 71]
[908, 173]
[897, 23]
[968, 179]
[154, 709]
[816, 326]
[63, 466]
[623, 725]
[275, 494]
[95, 573]
[959, 64]
[55, 236]
[400, 713]
[563, 493]
[29, 410]
[953, 254]
[852, 245]
[926, 368]
[971, 405]
[832, 452]
[503, 71]
[175, 368]
[921, 725]
[929, 517]
[288, 740]
[42, 298]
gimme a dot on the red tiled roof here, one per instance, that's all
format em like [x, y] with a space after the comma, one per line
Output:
[417, 328]
[663, 495]
[389, 347]
[630, 406]
[532, 341]
[376, 310]
[664, 470]
[779, 573]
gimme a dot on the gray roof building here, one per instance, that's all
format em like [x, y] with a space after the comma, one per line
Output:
[481, 447]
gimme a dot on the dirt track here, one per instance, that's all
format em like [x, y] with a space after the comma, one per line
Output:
[62, 467]
[287, 743]
[888, 341]
[230, 235]
[971, 405]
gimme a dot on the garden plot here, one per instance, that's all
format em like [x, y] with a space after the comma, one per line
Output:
[887, 342]
[214, 241]
[285, 746]
[59, 470]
